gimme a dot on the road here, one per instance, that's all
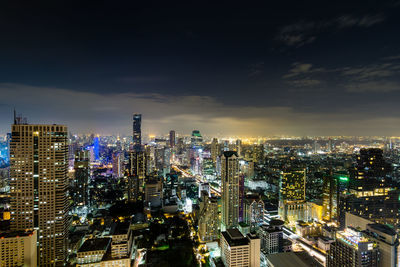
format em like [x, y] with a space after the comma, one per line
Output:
[320, 256]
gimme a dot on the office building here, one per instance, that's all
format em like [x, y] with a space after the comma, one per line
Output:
[253, 210]
[352, 248]
[230, 189]
[18, 248]
[153, 192]
[82, 175]
[214, 151]
[208, 218]
[38, 171]
[369, 175]
[172, 138]
[271, 237]
[239, 250]
[137, 132]
[292, 195]
[118, 164]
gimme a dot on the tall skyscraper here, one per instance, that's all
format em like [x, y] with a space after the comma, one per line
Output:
[172, 138]
[230, 189]
[137, 174]
[214, 151]
[137, 131]
[209, 217]
[39, 165]
[369, 175]
[82, 175]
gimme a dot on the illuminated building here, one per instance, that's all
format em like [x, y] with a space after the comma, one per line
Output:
[92, 251]
[380, 209]
[96, 148]
[214, 150]
[39, 165]
[239, 147]
[82, 175]
[253, 210]
[258, 154]
[118, 164]
[240, 250]
[329, 197]
[352, 248]
[369, 175]
[18, 248]
[137, 132]
[153, 192]
[196, 139]
[138, 165]
[208, 218]
[230, 189]
[271, 237]
[172, 139]
[382, 235]
[292, 195]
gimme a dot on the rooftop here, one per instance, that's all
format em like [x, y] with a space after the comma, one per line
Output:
[235, 238]
[287, 259]
[16, 234]
[95, 244]
[382, 228]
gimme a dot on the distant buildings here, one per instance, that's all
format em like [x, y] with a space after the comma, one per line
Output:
[137, 132]
[39, 187]
[230, 189]
[239, 250]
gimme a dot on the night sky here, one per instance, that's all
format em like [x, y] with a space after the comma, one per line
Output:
[255, 69]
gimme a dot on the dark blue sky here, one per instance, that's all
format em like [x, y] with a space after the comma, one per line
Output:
[261, 68]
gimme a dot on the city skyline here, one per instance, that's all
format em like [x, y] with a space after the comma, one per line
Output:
[278, 69]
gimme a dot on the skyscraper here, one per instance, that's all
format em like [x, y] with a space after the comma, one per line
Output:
[137, 131]
[214, 151]
[292, 194]
[352, 248]
[39, 164]
[82, 175]
[172, 138]
[230, 189]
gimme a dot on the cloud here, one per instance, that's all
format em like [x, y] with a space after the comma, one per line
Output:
[305, 82]
[306, 32]
[85, 112]
[373, 87]
[299, 68]
[371, 71]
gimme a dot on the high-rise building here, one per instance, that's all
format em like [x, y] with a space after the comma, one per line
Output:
[369, 175]
[138, 165]
[214, 151]
[18, 248]
[153, 192]
[82, 174]
[292, 194]
[118, 164]
[253, 210]
[230, 189]
[196, 139]
[239, 147]
[352, 248]
[39, 187]
[239, 250]
[172, 138]
[137, 132]
[271, 237]
[208, 218]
